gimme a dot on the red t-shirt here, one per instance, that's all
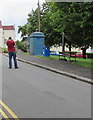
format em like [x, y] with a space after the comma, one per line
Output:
[11, 45]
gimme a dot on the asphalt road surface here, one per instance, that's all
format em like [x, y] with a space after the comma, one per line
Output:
[32, 92]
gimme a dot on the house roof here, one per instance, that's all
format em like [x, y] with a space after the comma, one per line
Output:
[8, 27]
[0, 24]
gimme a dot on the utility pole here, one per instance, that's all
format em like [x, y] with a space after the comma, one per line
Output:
[63, 43]
[38, 17]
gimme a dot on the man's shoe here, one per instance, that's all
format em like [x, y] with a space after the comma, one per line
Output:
[16, 67]
[9, 67]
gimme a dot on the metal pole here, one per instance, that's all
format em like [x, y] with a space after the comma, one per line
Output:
[63, 43]
[38, 17]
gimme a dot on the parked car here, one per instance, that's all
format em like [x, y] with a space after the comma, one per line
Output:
[54, 53]
[80, 55]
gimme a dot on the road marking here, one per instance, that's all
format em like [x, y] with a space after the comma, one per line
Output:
[9, 110]
[3, 114]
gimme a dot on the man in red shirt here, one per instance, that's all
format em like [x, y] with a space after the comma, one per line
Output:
[12, 52]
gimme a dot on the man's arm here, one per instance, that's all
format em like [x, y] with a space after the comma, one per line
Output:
[14, 43]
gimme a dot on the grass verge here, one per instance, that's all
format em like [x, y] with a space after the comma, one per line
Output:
[87, 63]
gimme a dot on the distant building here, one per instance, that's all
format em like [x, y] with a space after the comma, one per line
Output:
[5, 33]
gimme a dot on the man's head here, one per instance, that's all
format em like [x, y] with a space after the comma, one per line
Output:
[10, 38]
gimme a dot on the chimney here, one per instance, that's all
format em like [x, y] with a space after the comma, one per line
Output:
[0, 24]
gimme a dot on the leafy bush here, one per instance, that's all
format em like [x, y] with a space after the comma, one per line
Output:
[4, 50]
[22, 45]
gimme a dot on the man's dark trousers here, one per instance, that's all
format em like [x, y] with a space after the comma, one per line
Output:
[12, 54]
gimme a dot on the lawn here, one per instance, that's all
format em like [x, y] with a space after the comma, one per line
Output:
[87, 63]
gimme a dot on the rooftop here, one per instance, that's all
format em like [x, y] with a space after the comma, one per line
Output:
[10, 27]
[0, 24]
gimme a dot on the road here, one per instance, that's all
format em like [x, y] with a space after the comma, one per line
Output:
[32, 92]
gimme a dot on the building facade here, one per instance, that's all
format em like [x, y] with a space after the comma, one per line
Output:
[5, 33]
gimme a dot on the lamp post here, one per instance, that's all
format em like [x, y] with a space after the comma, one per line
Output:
[63, 43]
[38, 17]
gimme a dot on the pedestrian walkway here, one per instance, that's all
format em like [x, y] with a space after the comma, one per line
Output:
[61, 65]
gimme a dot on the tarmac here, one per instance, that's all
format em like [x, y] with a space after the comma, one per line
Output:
[59, 66]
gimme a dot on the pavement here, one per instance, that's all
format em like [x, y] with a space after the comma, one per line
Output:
[59, 66]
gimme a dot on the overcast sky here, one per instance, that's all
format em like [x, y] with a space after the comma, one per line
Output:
[16, 11]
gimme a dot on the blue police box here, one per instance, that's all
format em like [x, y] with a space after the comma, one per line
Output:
[37, 40]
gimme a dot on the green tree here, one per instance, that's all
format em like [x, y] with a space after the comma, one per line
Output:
[74, 19]
[78, 25]
[22, 45]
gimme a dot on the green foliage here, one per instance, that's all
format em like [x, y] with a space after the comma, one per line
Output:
[76, 17]
[72, 18]
[4, 50]
[22, 45]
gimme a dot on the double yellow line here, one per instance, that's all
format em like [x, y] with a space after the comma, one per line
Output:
[8, 110]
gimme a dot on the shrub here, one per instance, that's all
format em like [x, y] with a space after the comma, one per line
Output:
[22, 45]
[4, 50]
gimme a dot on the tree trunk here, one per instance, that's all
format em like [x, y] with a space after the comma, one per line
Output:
[84, 52]
[69, 47]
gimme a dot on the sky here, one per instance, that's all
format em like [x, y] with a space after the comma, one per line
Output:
[15, 12]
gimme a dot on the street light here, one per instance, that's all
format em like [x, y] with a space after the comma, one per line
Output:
[38, 17]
